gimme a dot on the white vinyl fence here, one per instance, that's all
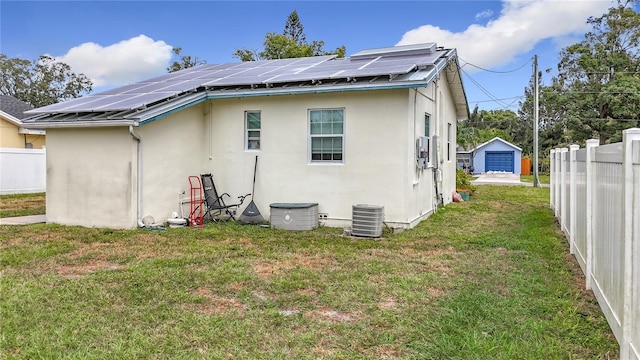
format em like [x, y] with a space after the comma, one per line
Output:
[595, 194]
[22, 171]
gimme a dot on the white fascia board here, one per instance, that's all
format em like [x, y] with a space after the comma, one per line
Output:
[81, 124]
[24, 131]
[159, 111]
[12, 119]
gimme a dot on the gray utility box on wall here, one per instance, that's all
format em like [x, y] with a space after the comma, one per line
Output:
[294, 216]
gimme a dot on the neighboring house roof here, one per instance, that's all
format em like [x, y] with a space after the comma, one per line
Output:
[13, 110]
[491, 141]
[409, 66]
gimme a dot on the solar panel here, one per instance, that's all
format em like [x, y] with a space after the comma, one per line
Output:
[400, 61]
[55, 107]
[298, 77]
[123, 89]
[181, 86]
[100, 101]
[238, 80]
[147, 88]
[390, 70]
[129, 103]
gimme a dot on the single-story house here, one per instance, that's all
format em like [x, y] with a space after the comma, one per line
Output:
[376, 128]
[497, 155]
[12, 133]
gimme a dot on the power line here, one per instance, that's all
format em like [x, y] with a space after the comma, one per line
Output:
[486, 92]
[494, 71]
[509, 98]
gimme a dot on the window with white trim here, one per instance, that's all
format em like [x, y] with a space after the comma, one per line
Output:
[326, 133]
[252, 130]
[427, 133]
[449, 136]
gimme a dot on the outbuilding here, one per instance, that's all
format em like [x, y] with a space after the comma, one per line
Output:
[497, 155]
[376, 128]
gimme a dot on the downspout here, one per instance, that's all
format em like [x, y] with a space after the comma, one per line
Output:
[437, 170]
[139, 175]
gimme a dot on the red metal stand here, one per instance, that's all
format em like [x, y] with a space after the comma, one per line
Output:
[196, 212]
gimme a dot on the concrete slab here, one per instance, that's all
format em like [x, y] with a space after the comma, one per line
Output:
[23, 220]
[497, 178]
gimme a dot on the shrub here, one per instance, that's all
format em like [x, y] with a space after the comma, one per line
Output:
[463, 180]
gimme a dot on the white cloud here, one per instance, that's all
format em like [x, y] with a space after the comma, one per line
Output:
[125, 62]
[484, 14]
[519, 27]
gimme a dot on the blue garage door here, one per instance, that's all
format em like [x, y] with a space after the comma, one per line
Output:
[498, 161]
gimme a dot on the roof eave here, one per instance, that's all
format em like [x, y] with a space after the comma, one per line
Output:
[39, 131]
[10, 118]
[80, 124]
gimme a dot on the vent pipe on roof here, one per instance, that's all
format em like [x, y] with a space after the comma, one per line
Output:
[139, 175]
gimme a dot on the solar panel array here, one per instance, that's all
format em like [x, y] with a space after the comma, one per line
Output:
[369, 63]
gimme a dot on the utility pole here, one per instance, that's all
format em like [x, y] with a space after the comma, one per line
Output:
[536, 179]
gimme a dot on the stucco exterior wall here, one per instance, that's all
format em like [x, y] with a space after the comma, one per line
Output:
[11, 138]
[447, 133]
[91, 177]
[173, 148]
[92, 172]
[375, 144]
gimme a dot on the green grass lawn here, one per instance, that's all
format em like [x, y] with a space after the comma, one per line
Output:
[544, 179]
[22, 205]
[486, 279]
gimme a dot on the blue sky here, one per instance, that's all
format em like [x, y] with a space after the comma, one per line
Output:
[120, 42]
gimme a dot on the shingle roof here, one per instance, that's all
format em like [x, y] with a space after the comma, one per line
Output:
[14, 107]
[394, 67]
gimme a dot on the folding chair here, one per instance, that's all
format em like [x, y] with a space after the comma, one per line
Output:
[215, 203]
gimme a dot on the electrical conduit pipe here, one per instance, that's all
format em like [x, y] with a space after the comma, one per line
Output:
[139, 175]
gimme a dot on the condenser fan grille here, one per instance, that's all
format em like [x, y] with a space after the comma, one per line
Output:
[367, 220]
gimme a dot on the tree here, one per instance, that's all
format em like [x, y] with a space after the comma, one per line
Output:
[41, 82]
[292, 43]
[484, 125]
[598, 82]
[185, 62]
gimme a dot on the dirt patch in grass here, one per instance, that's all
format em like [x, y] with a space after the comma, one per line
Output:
[317, 262]
[412, 252]
[77, 271]
[215, 304]
[327, 314]
[389, 303]
[387, 351]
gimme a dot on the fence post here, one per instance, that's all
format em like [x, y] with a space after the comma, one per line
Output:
[563, 188]
[573, 167]
[552, 180]
[590, 185]
[557, 191]
[631, 250]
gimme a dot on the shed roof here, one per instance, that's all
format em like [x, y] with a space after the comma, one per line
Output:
[409, 66]
[493, 140]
